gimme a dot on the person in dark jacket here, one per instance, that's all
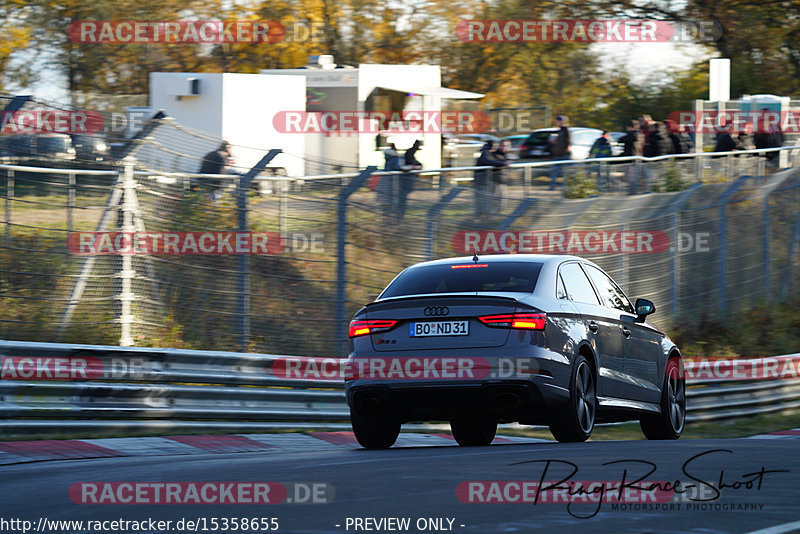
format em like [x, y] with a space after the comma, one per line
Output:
[769, 137]
[601, 148]
[633, 144]
[387, 186]
[658, 143]
[560, 149]
[215, 162]
[724, 142]
[483, 181]
[632, 141]
[406, 185]
[499, 174]
[679, 143]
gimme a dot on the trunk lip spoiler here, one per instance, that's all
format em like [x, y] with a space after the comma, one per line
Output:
[435, 295]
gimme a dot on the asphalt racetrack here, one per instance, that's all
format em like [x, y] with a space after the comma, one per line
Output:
[423, 489]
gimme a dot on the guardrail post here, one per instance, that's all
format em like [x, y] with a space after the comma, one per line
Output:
[341, 256]
[431, 218]
[9, 196]
[243, 260]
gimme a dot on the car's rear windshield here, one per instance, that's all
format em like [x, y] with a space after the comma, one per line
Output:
[467, 277]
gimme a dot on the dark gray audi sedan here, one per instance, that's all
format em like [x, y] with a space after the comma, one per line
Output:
[534, 339]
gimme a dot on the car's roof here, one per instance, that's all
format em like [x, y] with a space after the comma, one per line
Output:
[502, 258]
[518, 136]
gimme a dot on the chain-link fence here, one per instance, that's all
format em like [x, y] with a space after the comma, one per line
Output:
[713, 234]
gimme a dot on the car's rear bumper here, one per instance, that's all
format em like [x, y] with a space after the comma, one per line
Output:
[522, 400]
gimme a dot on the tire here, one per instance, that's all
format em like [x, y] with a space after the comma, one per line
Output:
[575, 421]
[670, 422]
[473, 432]
[374, 432]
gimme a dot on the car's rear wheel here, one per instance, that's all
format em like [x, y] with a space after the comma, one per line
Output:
[473, 432]
[575, 421]
[373, 431]
[669, 423]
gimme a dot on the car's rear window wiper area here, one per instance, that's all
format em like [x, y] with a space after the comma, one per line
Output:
[489, 277]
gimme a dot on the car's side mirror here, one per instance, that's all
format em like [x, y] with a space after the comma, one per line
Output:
[644, 308]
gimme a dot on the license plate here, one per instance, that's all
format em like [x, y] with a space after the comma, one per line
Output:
[537, 152]
[439, 328]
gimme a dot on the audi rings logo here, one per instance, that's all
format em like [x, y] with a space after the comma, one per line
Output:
[436, 311]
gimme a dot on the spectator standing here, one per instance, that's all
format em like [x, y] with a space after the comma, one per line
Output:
[387, 187]
[483, 179]
[601, 148]
[216, 162]
[633, 145]
[500, 175]
[679, 143]
[410, 163]
[723, 140]
[770, 137]
[560, 149]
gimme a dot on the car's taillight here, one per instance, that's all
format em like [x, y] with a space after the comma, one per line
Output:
[374, 326]
[525, 321]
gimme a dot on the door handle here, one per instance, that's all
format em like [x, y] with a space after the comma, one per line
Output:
[626, 332]
[593, 327]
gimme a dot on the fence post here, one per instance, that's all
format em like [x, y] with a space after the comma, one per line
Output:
[431, 218]
[284, 185]
[676, 262]
[765, 248]
[70, 200]
[723, 256]
[127, 273]
[243, 260]
[341, 256]
[9, 196]
[626, 261]
[526, 180]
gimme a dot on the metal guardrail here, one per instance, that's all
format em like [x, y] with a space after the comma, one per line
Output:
[53, 387]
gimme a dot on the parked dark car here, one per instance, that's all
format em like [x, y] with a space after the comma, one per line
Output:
[17, 146]
[533, 339]
[90, 148]
[537, 146]
[54, 146]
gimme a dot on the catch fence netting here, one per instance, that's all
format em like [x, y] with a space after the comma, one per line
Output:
[703, 244]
